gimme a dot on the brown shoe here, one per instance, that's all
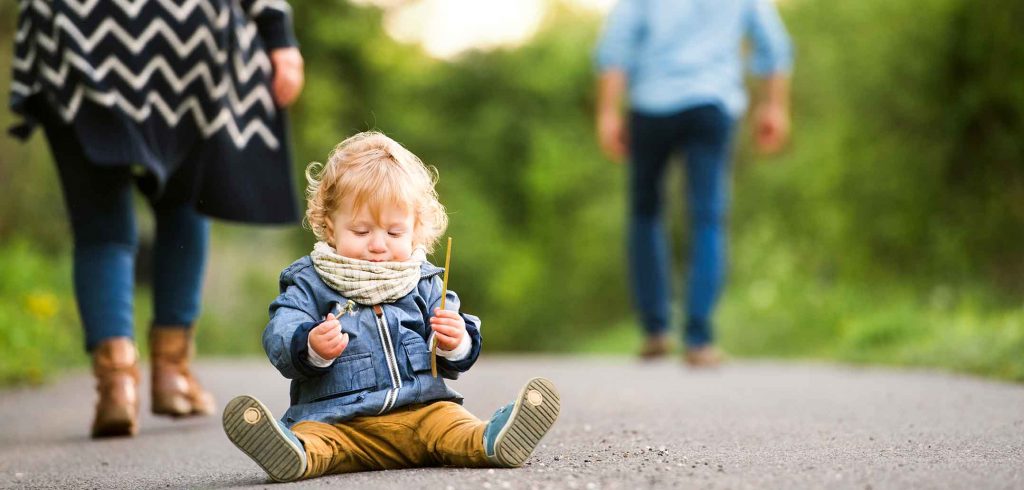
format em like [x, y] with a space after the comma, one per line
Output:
[655, 346]
[115, 363]
[175, 391]
[703, 357]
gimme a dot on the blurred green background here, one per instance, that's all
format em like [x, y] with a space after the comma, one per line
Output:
[890, 231]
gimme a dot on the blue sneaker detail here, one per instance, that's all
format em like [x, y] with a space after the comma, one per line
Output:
[494, 427]
[291, 436]
[515, 430]
[252, 428]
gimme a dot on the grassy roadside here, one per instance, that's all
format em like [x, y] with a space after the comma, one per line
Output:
[887, 326]
[788, 317]
[40, 332]
[39, 329]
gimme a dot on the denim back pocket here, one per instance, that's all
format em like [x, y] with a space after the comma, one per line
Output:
[348, 376]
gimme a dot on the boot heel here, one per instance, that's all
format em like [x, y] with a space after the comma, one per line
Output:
[173, 405]
[115, 365]
[175, 390]
[116, 421]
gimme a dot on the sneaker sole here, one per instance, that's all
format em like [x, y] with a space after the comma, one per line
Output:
[253, 429]
[533, 414]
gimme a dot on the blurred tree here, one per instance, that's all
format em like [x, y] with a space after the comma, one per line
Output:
[907, 165]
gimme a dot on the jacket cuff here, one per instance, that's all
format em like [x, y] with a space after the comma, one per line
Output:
[460, 351]
[452, 367]
[300, 352]
[315, 358]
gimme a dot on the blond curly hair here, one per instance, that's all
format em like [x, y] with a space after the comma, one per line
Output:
[373, 169]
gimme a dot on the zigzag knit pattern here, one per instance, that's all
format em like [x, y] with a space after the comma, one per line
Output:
[197, 60]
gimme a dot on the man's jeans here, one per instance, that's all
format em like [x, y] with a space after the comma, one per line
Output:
[704, 136]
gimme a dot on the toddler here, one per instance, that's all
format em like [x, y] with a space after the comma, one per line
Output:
[352, 328]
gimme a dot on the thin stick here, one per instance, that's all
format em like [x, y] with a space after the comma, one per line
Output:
[444, 294]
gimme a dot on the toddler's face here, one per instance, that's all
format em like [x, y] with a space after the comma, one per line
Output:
[360, 236]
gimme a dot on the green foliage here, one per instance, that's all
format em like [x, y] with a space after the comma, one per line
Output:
[891, 230]
[30, 201]
[39, 330]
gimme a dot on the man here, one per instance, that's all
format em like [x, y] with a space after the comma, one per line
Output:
[680, 65]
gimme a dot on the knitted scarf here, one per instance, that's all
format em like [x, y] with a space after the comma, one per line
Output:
[366, 283]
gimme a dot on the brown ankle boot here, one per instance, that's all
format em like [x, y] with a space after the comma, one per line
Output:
[703, 357]
[655, 347]
[115, 363]
[175, 391]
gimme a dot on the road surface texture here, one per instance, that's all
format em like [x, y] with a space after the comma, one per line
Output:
[623, 425]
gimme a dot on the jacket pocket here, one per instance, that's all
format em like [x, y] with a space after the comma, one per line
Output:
[418, 353]
[349, 375]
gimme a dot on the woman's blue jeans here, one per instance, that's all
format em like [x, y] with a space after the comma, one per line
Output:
[704, 137]
[100, 207]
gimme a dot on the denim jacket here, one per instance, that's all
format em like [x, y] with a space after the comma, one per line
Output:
[387, 361]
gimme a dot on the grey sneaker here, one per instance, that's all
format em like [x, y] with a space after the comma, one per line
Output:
[515, 430]
[250, 426]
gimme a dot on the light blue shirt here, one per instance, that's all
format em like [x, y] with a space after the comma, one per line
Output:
[679, 54]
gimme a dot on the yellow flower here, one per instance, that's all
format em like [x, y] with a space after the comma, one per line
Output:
[42, 305]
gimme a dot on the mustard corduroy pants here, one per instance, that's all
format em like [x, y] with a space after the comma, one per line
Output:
[435, 434]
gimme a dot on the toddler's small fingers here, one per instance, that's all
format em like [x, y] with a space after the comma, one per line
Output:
[452, 322]
[445, 330]
[447, 343]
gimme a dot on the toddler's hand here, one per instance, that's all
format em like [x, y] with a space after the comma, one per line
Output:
[288, 75]
[327, 340]
[449, 328]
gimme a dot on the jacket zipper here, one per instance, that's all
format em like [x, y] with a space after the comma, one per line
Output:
[392, 361]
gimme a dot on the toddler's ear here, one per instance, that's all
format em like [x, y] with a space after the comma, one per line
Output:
[329, 232]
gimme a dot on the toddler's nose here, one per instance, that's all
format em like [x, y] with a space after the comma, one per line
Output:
[377, 245]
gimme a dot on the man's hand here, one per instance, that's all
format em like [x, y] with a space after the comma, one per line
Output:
[449, 328]
[327, 340]
[771, 127]
[612, 135]
[288, 75]
[771, 115]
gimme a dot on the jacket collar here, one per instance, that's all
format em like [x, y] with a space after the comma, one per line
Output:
[429, 270]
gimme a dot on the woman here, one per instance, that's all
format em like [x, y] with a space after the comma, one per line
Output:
[184, 100]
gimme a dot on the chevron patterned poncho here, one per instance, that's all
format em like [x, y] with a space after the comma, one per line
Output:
[166, 84]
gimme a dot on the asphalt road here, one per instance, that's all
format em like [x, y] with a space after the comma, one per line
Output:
[623, 425]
